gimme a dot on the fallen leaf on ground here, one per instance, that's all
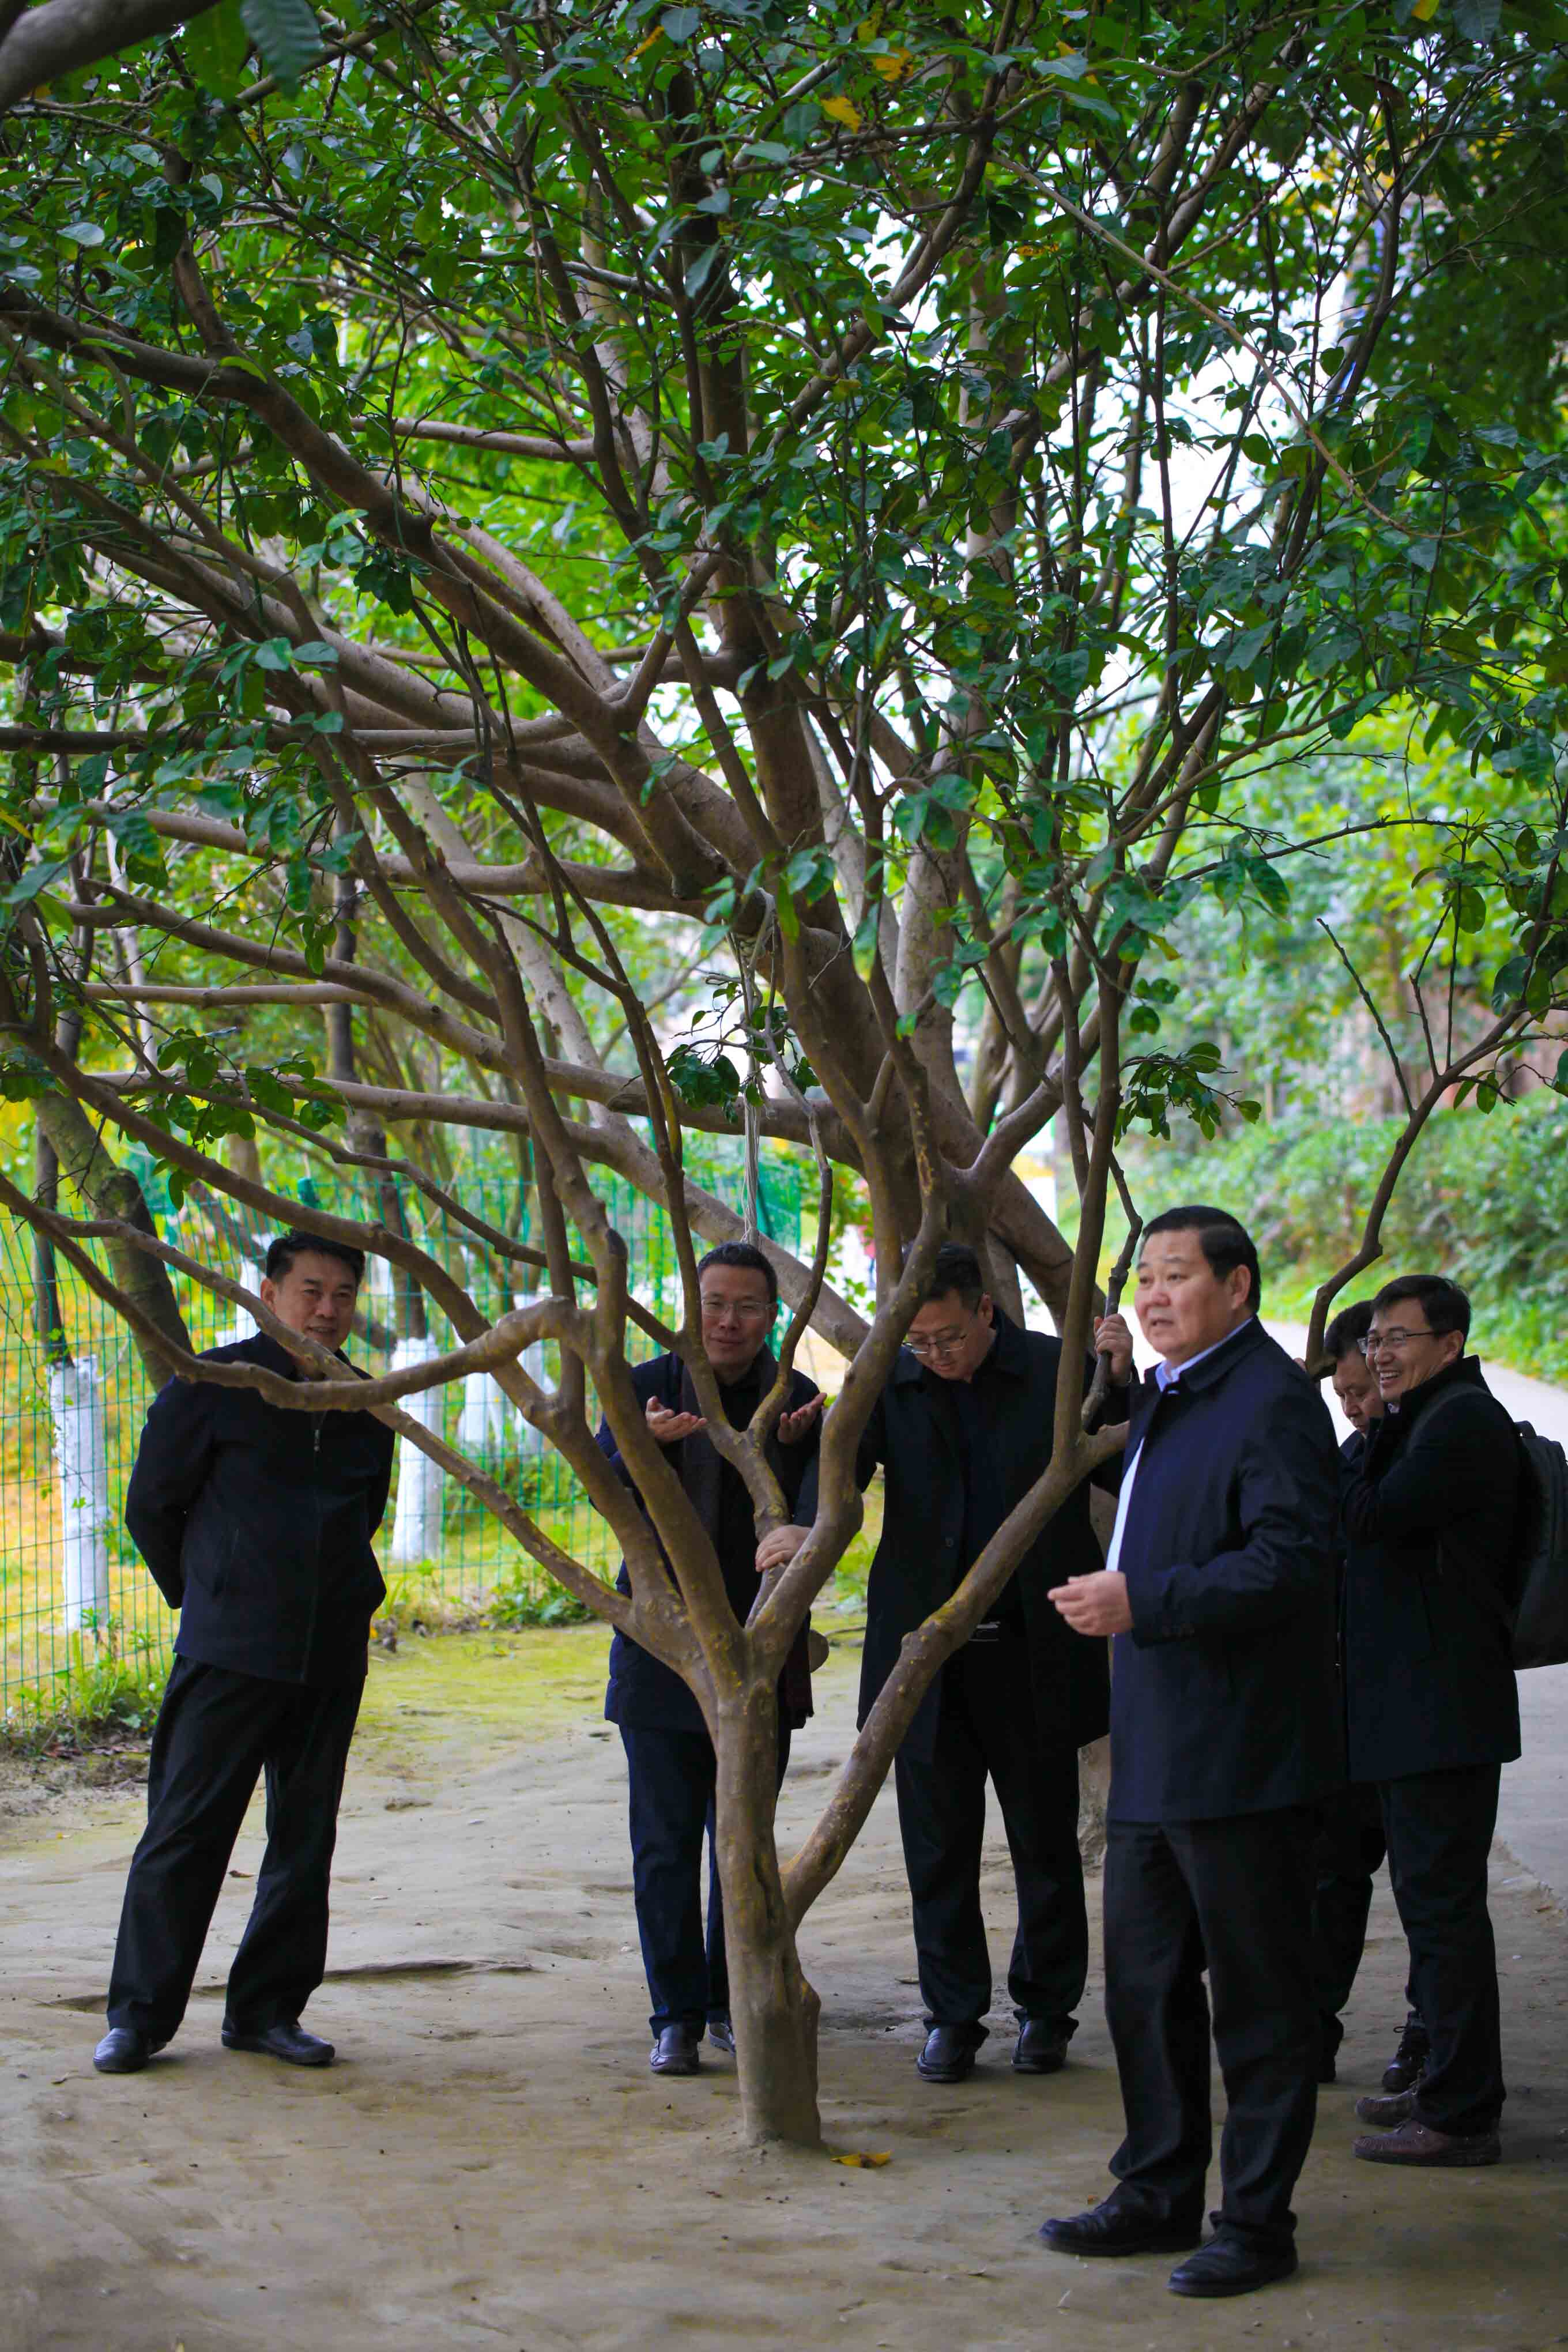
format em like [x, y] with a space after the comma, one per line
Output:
[863, 2159]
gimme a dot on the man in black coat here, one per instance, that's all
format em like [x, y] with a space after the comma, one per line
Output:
[670, 1762]
[1431, 1583]
[1219, 1589]
[256, 1525]
[1350, 1844]
[962, 1430]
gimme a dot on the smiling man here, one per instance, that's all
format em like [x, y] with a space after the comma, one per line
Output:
[671, 1766]
[1219, 1591]
[1431, 1582]
[257, 1524]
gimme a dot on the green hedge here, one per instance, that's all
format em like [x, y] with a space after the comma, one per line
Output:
[1482, 1199]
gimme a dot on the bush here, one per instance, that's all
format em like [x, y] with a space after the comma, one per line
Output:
[517, 1600]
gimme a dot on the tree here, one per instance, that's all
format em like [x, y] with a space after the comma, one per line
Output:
[550, 502]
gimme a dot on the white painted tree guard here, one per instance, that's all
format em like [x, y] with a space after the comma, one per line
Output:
[533, 1361]
[416, 1525]
[481, 1427]
[76, 1409]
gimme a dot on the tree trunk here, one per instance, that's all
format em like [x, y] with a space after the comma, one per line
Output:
[773, 2008]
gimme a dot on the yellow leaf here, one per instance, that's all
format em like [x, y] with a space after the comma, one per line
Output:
[862, 2160]
[894, 66]
[1423, 11]
[843, 110]
[643, 46]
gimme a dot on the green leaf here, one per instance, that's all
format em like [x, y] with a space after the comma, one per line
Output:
[287, 35]
[275, 653]
[677, 25]
[83, 232]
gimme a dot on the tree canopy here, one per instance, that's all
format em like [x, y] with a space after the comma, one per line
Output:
[746, 566]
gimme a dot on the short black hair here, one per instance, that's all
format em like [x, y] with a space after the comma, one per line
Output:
[745, 1254]
[1447, 1307]
[957, 1269]
[283, 1252]
[1223, 1240]
[1349, 1328]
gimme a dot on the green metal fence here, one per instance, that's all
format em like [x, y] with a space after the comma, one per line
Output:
[61, 1627]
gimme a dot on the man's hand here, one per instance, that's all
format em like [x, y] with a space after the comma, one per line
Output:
[1095, 1604]
[1114, 1338]
[781, 1547]
[794, 1426]
[669, 1427]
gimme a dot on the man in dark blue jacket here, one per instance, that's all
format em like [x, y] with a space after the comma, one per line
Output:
[1219, 1589]
[1431, 1583]
[257, 1524]
[670, 1761]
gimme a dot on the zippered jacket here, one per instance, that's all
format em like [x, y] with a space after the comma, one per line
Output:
[257, 1524]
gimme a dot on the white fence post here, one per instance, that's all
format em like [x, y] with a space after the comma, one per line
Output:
[416, 1526]
[76, 1409]
[533, 1363]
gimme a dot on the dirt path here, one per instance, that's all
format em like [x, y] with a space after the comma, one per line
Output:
[490, 2164]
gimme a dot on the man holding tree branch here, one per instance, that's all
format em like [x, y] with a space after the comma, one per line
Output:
[962, 1430]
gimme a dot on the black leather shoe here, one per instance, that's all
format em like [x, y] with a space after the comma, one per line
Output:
[675, 2052]
[1387, 2113]
[1232, 2265]
[1042, 2048]
[288, 2040]
[1110, 2229]
[722, 2034]
[1409, 2064]
[124, 2051]
[949, 2052]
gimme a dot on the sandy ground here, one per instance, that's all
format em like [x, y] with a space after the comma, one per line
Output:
[491, 2163]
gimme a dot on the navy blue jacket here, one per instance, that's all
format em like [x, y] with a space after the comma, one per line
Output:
[643, 1691]
[257, 1524]
[1431, 1583]
[1223, 1696]
[913, 1432]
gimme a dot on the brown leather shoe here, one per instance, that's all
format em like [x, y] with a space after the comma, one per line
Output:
[1387, 2112]
[1418, 2143]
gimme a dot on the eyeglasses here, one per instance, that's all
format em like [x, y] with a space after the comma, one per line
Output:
[1393, 1341]
[745, 1310]
[928, 1348]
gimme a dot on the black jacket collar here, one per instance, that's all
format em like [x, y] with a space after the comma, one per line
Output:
[1465, 1373]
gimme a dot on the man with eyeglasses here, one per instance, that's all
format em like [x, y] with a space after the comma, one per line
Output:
[962, 1430]
[1431, 1583]
[670, 1761]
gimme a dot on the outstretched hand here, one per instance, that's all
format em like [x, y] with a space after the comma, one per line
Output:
[669, 1427]
[794, 1426]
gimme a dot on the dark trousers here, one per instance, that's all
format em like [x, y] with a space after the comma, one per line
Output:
[987, 1727]
[673, 1776]
[1349, 1848]
[216, 1732]
[1440, 1828]
[1233, 1896]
